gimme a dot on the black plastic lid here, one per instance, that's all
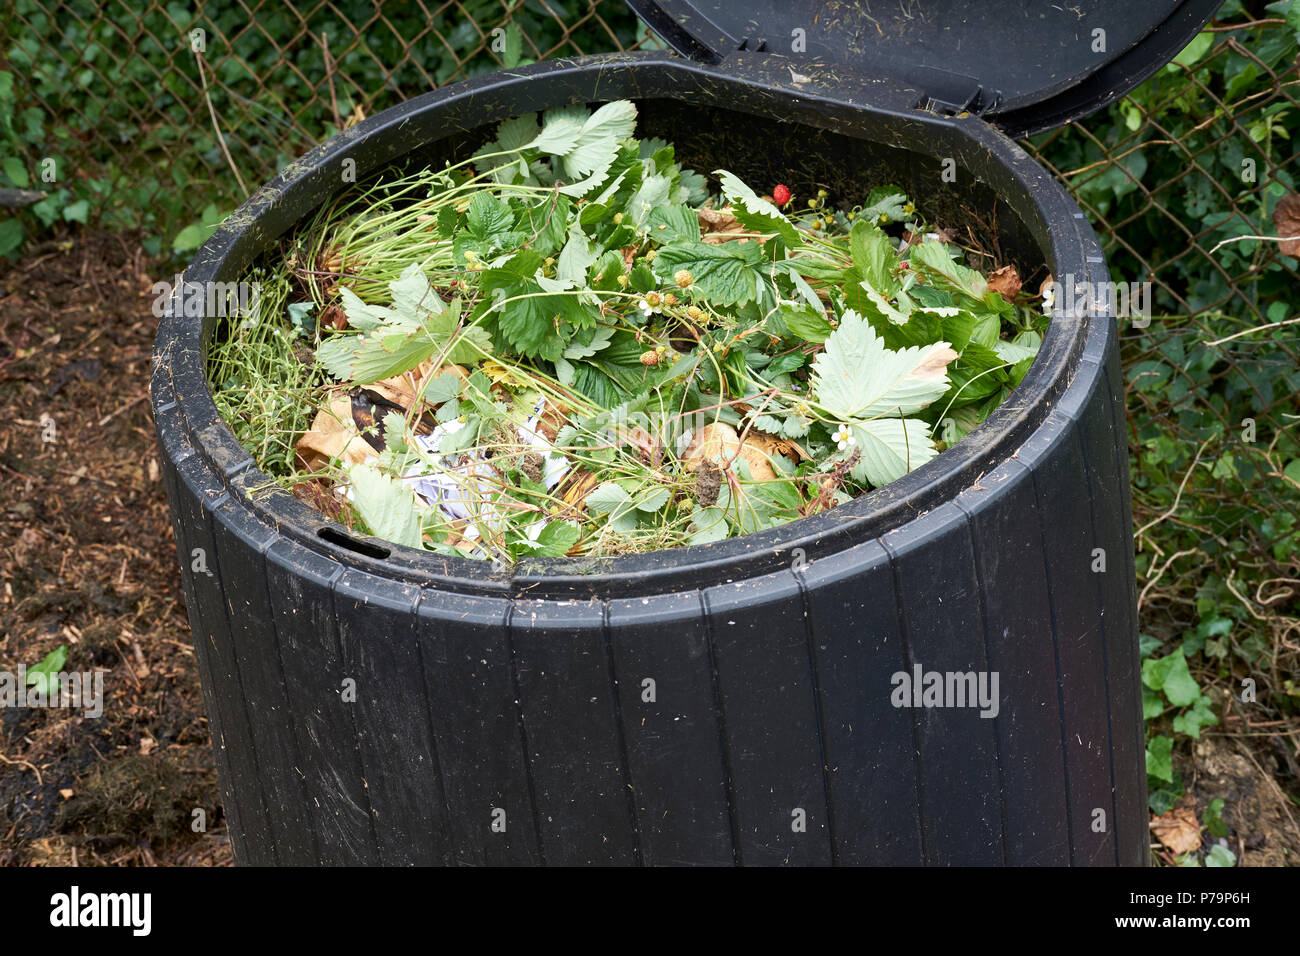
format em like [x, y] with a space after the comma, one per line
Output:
[1025, 65]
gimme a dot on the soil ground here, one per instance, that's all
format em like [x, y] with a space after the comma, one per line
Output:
[88, 562]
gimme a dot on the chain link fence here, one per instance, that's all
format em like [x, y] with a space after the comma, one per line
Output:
[191, 107]
[180, 111]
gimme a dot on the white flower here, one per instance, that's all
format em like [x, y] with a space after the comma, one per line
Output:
[842, 437]
[1049, 299]
[646, 307]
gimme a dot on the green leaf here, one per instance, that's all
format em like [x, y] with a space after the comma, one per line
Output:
[586, 145]
[1220, 855]
[588, 342]
[362, 316]
[412, 294]
[374, 356]
[583, 186]
[79, 211]
[443, 388]
[1212, 819]
[609, 498]
[488, 217]
[561, 130]
[890, 448]
[756, 213]
[533, 310]
[17, 172]
[1170, 674]
[934, 258]
[726, 273]
[399, 341]
[806, 324]
[856, 377]
[191, 237]
[653, 501]
[11, 235]
[708, 525]
[1153, 705]
[516, 133]
[888, 202]
[1201, 714]
[1196, 49]
[555, 540]
[387, 506]
[1159, 758]
[514, 47]
[674, 223]
[874, 256]
[44, 676]
[576, 257]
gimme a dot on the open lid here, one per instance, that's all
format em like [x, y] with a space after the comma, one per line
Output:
[1026, 65]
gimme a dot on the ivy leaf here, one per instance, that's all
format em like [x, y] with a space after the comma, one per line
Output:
[856, 377]
[387, 506]
[1159, 758]
[890, 448]
[1170, 674]
[1220, 856]
[756, 213]
[1200, 714]
[726, 273]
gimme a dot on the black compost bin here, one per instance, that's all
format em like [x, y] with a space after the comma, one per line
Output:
[374, 704]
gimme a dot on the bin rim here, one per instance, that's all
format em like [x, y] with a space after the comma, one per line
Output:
[1074, 341]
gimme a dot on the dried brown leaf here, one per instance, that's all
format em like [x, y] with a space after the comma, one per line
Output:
[1006, 282]
[1178, 830]
[1286, 219]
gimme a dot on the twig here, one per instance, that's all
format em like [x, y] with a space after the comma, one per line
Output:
[28, 764]
[1177, 497]
[217, 126]
[1225, 242]
[131, 404]
[1258, 328]
[329, 75]
[1160, 573]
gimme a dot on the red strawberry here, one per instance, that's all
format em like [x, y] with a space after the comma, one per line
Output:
[781, 194]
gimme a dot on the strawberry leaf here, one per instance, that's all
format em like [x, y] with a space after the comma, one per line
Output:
[756, 213]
